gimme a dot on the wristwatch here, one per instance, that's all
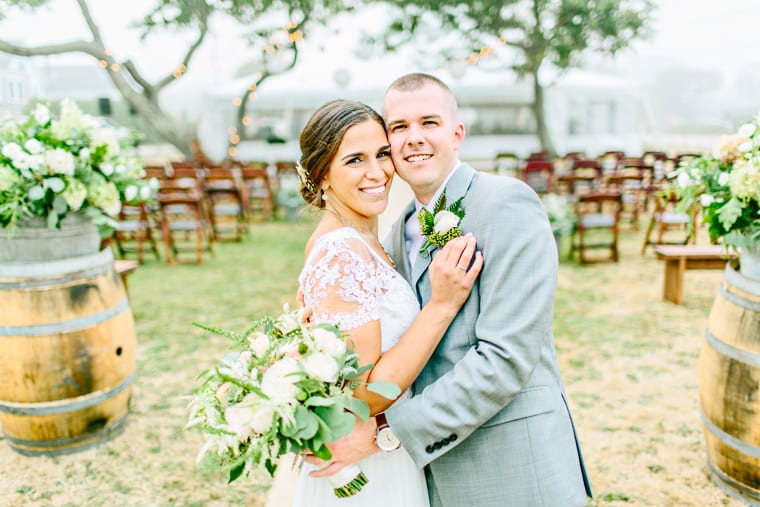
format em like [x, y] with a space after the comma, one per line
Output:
[385, 439]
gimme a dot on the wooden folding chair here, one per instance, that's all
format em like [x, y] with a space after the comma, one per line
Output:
[226, 201]
[598, 215]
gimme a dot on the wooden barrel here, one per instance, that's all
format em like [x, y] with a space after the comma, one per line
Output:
[729, 387]
[67, 353]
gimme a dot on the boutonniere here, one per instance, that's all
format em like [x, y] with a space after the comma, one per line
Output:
[442, 225]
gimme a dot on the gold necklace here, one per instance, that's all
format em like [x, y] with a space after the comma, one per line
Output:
[363, 232]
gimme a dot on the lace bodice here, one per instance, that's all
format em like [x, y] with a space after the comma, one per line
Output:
[347, 283]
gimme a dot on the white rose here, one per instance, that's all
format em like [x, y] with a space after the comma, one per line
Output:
[684, 180]
[746, 130]
[33, 146]
[84, 154]
[106, 169]
[22, 161]
[239, 418]
[41, 114]
[145, 193]
[744, 147]
[259, 343]
[329, 343]
[277, 381]
[262, 416]
[321, 366]
[12, 150]
[723, 178]
[706, 199]
[444, 221]
[130, 193]
[287, 323]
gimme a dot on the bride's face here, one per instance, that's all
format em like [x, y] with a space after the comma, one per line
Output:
[361, 172]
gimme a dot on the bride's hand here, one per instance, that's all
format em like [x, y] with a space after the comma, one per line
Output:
[453, 271]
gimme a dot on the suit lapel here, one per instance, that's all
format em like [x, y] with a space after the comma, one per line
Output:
[456, 187]
[397, 243]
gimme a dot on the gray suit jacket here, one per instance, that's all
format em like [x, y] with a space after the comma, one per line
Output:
[489, 413]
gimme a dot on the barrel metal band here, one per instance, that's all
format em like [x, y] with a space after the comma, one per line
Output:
[66, 405]
[66, 326]
[730, 440]
[104, 431]
[738, 300]
[33, 283]
[734, 353]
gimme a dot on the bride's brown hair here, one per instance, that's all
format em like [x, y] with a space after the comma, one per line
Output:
[321, 138]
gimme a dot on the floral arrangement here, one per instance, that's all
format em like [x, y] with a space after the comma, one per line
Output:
[288, 390]
[726, 186]
[560, 213]
[442, 225]
[50, 167]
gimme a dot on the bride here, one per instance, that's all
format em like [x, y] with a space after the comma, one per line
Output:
[348, 279]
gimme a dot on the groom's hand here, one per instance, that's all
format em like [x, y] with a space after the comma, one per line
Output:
[355, 446]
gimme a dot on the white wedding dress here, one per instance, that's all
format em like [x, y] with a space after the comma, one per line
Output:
[349, 284]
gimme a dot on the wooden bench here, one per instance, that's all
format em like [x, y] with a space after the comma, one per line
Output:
[124, 268]
[679, 258]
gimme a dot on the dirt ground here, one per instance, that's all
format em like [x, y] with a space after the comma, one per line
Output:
[628, 358]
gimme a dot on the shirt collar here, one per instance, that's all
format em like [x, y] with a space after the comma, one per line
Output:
[418, 205]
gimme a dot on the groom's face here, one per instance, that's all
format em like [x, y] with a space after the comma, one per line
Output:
[424, 135]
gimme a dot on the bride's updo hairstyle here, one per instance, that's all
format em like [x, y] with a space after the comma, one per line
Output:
[321, 138]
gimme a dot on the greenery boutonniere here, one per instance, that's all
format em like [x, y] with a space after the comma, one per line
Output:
[442, 225]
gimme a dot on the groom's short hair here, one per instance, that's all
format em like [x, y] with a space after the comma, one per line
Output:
[417, 80]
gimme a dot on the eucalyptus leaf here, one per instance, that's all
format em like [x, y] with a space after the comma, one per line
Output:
[357, 406]
[36, 193]
[385, 389]
[318, 401]
[52, 220]
[60, 205]
[55, 184]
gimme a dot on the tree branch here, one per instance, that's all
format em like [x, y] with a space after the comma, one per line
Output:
[130, 67]
[78, 46]
[186, 60]
[94, 30]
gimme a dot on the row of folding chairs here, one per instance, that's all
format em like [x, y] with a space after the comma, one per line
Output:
[196, 206]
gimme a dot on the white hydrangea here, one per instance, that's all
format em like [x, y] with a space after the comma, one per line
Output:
[59, 161]
[41, 114]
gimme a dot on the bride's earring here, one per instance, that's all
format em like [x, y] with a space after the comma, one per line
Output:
[324, 195]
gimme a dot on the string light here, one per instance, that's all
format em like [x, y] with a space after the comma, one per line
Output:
[252, 86]
[236, 102]
[232, 151]
[235, 139]
[232, 131]
[103, 63]
[108, 52]
[246, 120]
[115, 67]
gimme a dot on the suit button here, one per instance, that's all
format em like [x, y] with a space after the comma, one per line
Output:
[452, 437]
[437, 445]
[429, 449]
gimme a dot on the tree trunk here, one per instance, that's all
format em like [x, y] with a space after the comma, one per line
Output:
[542, 130]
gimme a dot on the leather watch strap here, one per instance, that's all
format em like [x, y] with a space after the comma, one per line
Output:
[382, 422]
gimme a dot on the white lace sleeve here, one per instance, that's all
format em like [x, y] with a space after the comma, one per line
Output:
[340, 281]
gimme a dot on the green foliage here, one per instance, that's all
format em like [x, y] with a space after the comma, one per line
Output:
[725, 185]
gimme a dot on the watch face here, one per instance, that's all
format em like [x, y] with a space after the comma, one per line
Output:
[387, 440]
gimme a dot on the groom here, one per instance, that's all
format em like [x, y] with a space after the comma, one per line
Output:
[489, 419]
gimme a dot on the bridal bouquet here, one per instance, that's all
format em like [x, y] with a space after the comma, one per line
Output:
[288, 390]
[51, 165]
